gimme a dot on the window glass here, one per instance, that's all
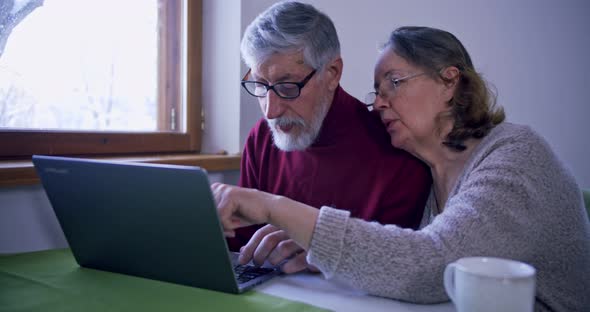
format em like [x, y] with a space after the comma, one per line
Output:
[84, 65]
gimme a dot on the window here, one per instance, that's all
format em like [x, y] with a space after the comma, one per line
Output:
[99, 77]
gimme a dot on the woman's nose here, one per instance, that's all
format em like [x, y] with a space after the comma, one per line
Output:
[380, 102]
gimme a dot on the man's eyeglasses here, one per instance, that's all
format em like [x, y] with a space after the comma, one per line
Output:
[285, 90]
[389, 89]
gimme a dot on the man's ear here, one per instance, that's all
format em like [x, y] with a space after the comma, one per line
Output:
[451, 77]
[334, 73]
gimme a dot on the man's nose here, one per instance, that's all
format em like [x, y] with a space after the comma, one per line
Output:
[275, 106]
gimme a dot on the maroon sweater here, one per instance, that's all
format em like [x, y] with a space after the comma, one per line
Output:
[352, 165]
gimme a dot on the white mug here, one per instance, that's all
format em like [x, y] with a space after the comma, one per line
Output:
[490, 284]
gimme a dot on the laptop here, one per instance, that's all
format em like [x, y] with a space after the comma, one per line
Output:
[149, 220]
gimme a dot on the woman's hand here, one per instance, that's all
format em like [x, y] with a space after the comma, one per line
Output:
[239, 207]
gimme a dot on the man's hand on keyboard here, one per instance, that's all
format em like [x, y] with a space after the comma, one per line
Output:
[273, 245]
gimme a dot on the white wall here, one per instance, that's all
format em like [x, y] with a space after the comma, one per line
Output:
[221, 76]
[536, 53]
[27, 221]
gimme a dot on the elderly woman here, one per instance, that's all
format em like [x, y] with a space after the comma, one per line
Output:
[498, 189]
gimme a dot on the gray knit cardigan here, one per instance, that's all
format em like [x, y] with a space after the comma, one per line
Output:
[514, 199]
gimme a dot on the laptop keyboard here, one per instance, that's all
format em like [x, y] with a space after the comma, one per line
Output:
[245, 273]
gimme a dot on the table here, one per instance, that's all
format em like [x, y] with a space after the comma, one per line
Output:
[314, 289]
[52, 281]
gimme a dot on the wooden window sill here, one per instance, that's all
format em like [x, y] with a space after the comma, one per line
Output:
[22, 172]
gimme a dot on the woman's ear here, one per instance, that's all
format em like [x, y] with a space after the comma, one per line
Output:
[450, 77]
[334, 73]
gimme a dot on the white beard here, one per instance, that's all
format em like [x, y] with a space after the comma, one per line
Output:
[305, 134]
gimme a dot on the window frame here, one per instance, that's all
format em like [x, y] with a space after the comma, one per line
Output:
[24, 143]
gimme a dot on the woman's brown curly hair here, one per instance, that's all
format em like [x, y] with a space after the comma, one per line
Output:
[473, 106]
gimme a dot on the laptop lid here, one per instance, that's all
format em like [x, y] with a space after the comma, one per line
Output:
[148, 220]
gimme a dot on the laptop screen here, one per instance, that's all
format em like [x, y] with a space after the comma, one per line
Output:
[148, 220]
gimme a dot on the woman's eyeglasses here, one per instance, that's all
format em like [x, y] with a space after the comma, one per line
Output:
[389, 89]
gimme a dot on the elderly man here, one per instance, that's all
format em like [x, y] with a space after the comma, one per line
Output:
[316, 144]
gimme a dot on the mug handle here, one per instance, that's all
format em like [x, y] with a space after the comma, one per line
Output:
[449, 280]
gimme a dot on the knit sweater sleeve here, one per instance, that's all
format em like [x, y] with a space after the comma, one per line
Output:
[497, 209]
[383, 260]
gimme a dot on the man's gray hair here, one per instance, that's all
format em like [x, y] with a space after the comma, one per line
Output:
[290, 27]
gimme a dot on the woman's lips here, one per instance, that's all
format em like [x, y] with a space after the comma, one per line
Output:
[390, 124]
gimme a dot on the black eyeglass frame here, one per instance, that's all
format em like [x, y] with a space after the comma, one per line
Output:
[268, 87]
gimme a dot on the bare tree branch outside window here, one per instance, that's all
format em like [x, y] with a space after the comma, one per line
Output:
[12, 12]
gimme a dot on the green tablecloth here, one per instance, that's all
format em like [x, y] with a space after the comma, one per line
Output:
[53, 281]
